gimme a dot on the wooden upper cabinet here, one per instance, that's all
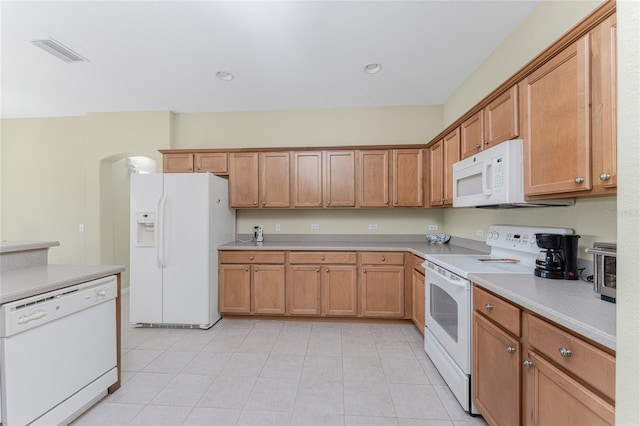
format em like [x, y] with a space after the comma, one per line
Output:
[436, 173]
[556, 123]
[472, 135]
[407, 189]
[497, 122]
[275, 188]
[603, 106]
[214, 162]
[373, 178]
[177, 163]
[451, 146]
[501, 119]
[243, 180]
[307, 179]
[340, 179]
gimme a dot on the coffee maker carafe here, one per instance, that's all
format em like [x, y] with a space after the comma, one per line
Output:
[559, 257]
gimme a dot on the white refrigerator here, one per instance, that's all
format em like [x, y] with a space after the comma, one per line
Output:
[177, 222]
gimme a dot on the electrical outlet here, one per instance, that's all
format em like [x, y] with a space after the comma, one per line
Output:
[278, 227]
[315, 226]
[433, 227]
[373, 227]
[81, 227]
[479, 233]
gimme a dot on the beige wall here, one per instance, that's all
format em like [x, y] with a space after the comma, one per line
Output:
[44, 175]
[628, 213]
[543, 26]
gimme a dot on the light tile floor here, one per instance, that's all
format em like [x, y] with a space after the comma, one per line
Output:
[277, 373]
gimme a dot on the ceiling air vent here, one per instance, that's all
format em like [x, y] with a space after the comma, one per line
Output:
[59, 50]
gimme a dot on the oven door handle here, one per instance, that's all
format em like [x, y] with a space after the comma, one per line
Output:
[463, 284]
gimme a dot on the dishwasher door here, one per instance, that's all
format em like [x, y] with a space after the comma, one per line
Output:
[53, 369]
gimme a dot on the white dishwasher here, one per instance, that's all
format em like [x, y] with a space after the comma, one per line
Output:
[57, 353]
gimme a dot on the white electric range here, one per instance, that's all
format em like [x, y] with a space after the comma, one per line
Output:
[447, 337]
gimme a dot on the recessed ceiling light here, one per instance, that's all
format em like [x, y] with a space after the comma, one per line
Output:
[372, 68]
[224, 75]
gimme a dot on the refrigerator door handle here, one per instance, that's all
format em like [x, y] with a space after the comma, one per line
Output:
[160, 232]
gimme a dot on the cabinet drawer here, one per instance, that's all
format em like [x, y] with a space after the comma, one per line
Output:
[382, 258]
[575, 355]
[315, 257]
[251, 256]
[501, 312]
[417, 264]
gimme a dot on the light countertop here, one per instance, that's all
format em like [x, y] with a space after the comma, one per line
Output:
[19, 283]
[570, 303]
[13, 246]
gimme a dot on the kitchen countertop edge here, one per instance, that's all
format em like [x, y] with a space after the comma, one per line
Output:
[570, 304]
[26, 282]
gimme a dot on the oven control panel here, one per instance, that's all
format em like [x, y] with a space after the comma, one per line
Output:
[520, 237]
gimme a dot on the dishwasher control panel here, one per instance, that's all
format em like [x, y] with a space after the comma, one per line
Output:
[33, 311]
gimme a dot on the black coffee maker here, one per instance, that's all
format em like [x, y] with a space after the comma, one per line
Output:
[559, 257]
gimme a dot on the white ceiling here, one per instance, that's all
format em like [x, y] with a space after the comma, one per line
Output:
[163, 55]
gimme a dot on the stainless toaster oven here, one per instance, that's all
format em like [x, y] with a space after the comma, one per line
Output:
[604, 270]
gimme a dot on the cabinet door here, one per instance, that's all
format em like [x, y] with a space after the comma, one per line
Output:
[407, 178]
[555, 398]
[373, 178]
[472, 135]
[382, 291]
[268, 289]
[177, 163]
[303, 289]
[603, 105]
[451, 144]
[436, 174]
[340, 290]
[234, 289]
[417, 298]
[274, 180]
[214, 162]
[501, 120]
[556, 123]
[495, 373]
[340, 180]
[307, 179]
[243, 180]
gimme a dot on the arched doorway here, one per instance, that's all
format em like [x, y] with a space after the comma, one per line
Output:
[115, 172]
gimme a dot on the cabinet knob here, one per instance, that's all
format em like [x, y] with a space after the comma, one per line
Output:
[264, 203]
[255, 270]
[364, 270]
[488, 306]
[478, 146]
[197, 168]
[511, 349]
[255, 203]
[328, 203]
[382, 258]
[527, 363]
[395, 202]
[386, 203]
[317, 269]
[605, 176]
[578, 180]
[246, 269]
[250, 257]
[190, 168]
[327, 270]
[322, 258]
[319, 203]
[564, 352]
[442, 200]
[485, 143]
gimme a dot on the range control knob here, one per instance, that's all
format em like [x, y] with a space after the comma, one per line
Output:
[490, 235]
[496, 235]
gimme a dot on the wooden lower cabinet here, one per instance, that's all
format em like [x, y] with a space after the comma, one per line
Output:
[304, 290]
[537, 374]
[268, 289]
[382, 291]
[234, 289]
[555, 398]
[340, 291]
[417, 300]
[496, 373]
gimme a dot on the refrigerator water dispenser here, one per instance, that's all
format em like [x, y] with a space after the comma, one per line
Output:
[146, 229]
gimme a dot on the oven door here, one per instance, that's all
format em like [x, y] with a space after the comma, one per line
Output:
[447, 313]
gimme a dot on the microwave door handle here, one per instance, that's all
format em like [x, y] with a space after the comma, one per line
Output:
[601, 252]
[485, 178]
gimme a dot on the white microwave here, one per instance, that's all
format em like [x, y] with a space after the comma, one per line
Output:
[495, 178]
